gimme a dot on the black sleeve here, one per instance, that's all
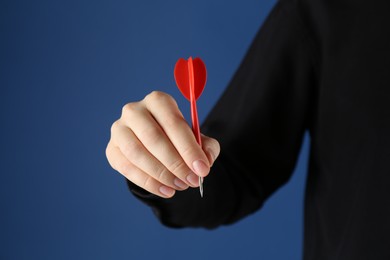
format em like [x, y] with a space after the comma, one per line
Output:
[259, 121]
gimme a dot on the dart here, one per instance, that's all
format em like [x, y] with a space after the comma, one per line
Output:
[190, 76]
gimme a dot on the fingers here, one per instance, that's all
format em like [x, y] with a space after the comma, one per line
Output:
[136, 153]
[135, 175]
[177, 131]
[153, 146]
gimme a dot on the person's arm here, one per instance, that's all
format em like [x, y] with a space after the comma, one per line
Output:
[259, 122]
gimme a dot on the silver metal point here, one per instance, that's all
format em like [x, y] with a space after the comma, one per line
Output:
[201, 186]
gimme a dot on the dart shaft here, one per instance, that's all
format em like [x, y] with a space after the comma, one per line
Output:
[194, 114]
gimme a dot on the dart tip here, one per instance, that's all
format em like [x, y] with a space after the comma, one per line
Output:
[201, 186]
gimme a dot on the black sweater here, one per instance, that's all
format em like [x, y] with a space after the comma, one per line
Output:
[321, 66]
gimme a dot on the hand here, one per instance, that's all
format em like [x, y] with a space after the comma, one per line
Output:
[153, 146]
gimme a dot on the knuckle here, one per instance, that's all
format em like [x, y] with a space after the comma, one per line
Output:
[125, 169]
[115, 126]
[110, 160]
[188, 152]
[163, 175]
[159, 96]
[108, 151]
[129, 108]
[155, 95]
[148, 183]
[177, 166]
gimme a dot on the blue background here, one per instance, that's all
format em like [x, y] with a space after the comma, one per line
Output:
[67, 68]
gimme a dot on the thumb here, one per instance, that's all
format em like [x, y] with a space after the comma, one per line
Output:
[211, 148]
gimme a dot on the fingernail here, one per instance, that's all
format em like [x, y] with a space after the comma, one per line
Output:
[167, 191]
[200, 168]
[180, 184]
[192, 178]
